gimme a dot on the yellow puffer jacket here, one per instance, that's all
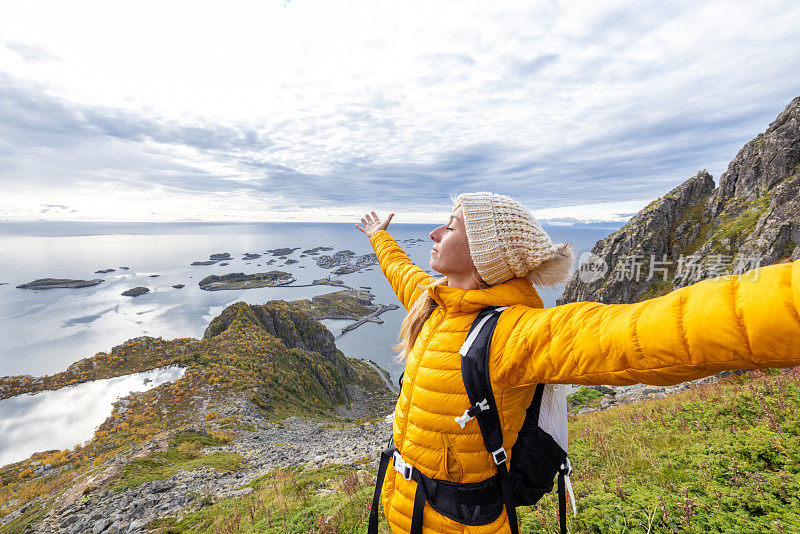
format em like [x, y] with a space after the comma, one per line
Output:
[695, 331]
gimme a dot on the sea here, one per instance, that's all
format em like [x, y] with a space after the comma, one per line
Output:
[44, 331]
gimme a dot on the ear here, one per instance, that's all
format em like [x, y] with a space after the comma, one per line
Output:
[556, 269]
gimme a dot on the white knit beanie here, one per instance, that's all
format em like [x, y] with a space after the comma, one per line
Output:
[506, 242]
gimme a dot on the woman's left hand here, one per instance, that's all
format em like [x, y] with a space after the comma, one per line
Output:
[373, 224]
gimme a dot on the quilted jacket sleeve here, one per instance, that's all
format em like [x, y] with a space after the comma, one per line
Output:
[737, 322]
[402, 274]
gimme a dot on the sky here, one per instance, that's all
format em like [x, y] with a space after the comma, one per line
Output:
[301, 110]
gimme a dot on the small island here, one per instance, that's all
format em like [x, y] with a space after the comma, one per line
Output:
[53, 283]
[135, 291]
[346, 261]
[245, 281]
[179, 286]
[317, 250]
[356, 305]
[251, 256]
[281, 251]
[329, 282]
[104, 271]
[206, 262]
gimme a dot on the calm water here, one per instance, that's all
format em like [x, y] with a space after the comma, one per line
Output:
[43, 332]
[69, 416]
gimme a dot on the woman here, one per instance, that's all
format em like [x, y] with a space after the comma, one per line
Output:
[491, 253]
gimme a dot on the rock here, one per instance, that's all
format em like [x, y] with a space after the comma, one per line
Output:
[100, 525]
[751, 219]
[137, 525]
[69, 520]
[160, 486]
[135, 291]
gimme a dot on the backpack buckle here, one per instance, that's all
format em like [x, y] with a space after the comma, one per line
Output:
[401, 466]
[499, 456]
[566, 467]
[470, 412]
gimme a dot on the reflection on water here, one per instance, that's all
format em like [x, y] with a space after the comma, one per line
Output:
[68, 416]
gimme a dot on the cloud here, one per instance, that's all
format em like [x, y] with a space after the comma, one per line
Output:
[30, 53]
[561, 106]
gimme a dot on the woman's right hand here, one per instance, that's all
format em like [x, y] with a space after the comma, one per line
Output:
[373, 224]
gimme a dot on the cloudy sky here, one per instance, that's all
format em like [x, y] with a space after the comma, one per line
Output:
[319, 111]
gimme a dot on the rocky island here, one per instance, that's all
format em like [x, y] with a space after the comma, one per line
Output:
[281, 251]
[353, 304]
[245, 281]
[317, 250]
[53, 283]
[346, 261]
[135, 291]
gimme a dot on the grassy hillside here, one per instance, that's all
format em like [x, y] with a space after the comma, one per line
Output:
[720, 457]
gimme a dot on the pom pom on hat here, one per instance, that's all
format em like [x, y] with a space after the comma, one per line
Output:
[505, 241]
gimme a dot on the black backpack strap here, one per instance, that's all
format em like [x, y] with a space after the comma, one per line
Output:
[475, 373]
[386, 457]
[562, 503]
[390, 456]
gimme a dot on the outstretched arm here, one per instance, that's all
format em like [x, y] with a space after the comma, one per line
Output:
[401, 272]
[732, 322]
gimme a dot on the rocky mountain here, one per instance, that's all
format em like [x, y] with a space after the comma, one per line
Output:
[750, 219]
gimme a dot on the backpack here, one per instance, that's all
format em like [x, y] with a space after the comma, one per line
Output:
[538, 455]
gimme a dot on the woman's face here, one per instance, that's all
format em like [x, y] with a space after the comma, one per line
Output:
[450, 253]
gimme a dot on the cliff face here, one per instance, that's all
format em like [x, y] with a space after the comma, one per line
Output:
[280, 319]
[698, 231]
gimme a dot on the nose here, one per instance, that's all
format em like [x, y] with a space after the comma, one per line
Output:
[434, 235]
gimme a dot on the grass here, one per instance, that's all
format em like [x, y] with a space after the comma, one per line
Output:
[184, 452]
[659, 288]
[29, 517]
[285, 502]
[719, 457]
[584, 397]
